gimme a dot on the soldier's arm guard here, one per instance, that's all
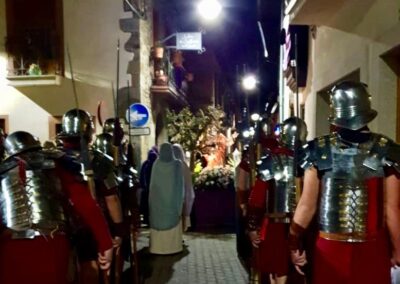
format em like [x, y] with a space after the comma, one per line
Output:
[254, 218]
[257, 205]
[296, 235]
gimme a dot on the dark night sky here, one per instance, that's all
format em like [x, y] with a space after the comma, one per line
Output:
[235, 38]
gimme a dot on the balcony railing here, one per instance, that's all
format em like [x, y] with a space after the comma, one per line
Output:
[37, 48]
[167, 78]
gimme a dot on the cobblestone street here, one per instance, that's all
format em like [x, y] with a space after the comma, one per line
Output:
[207, 258]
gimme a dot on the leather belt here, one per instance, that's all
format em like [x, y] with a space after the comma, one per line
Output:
[31, 233]
[348, 237]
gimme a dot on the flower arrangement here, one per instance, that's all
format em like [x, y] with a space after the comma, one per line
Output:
[214, 179]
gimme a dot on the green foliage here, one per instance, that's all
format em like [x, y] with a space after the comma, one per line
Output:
[193, 131]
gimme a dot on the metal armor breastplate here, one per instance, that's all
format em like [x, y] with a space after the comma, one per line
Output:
[35, 207]
[281, 196]
[347, 198]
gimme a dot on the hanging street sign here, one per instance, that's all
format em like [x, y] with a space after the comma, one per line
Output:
[189, 41]
[137, 115]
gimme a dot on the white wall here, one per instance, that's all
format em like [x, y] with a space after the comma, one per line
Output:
[91, 30]
[146, 42]
[337, 53]
[356, 43]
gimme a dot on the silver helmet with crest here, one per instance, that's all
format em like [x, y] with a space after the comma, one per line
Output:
[77, 122]
[104, 144]
[293, 132]
[351, 105]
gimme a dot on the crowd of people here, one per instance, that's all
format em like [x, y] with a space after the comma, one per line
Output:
[62, 216]
[327, 210]
[323, 211]
[70, 209]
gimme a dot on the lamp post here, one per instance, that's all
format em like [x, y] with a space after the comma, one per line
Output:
[249, 85]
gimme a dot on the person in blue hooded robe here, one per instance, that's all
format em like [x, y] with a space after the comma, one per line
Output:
[188, 185]
[166, 195]
[145, 175]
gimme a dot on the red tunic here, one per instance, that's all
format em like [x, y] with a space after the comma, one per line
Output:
[352, 263]
[357, 262]
[272, 256]
[44, 260]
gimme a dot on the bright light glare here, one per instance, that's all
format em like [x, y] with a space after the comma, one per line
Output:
[249, 82]
[255, 117]
[246, 134]
[209, 9]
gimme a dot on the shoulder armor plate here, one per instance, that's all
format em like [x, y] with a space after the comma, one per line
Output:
[264, 170]
[318, 152]
[7, 165]
[102, 166]
[377, 151]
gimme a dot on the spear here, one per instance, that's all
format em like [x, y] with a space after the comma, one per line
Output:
[134, 213]
[118, 134]
[87, 167]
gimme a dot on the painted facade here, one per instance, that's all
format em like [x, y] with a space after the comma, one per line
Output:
[91, 31]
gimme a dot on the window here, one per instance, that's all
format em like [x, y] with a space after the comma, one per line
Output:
[34, 36]
[4, 123]
[54, 126]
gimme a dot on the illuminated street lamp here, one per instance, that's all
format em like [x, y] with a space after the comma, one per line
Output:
[249, 85]
[246, 133]
[249, 82]
[209, 9]
[255, 117]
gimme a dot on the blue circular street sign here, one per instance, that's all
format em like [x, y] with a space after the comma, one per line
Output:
[137, 115]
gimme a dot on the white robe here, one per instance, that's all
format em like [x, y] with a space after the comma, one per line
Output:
[167, 241]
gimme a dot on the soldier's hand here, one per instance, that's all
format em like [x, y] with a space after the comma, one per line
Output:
[117, 242]
[299, 259]
[395, 260]
[105, 259]
[254, 237]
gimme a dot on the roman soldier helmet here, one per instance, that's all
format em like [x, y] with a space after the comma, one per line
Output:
[104, 144]
[293, 132]
[109, 125]
[20, 141]
[77, 122]
[267, 126]
[351, 105]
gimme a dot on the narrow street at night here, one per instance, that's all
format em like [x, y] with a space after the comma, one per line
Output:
[199, 141]
[206, 258]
